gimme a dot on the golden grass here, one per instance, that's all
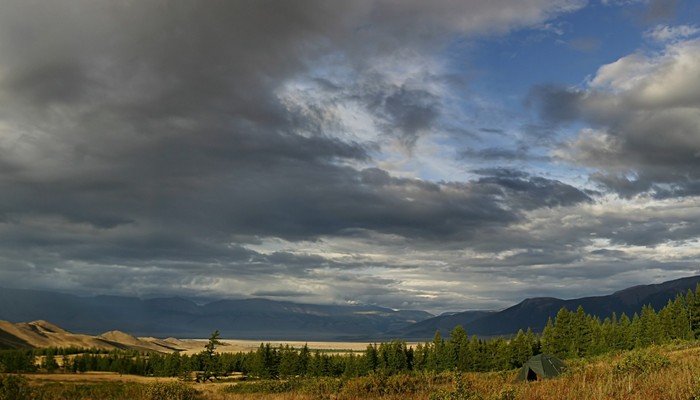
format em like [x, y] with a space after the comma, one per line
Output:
[598, 380]
[93, 377]
[587, 380]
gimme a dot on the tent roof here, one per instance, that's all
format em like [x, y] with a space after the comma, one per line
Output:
[544, 365]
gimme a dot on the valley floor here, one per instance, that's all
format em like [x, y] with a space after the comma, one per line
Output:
[194, 346]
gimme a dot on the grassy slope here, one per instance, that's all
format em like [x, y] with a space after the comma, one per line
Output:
[595, 379]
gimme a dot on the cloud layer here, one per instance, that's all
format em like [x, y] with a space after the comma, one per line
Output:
[321, 152]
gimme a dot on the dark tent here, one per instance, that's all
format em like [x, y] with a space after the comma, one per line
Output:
[541, 366]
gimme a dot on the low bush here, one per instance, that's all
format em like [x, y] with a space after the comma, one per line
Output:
[373, 385]
[640, 362]
[77, 391]
[462, 390]
[168, 391]
[321, 388]
[506, 394]
[14, 387]
[265, 386]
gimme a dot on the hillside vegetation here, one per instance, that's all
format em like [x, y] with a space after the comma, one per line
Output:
[670, 371]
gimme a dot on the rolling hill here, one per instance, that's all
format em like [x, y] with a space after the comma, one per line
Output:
[42, 334]
[534, 312]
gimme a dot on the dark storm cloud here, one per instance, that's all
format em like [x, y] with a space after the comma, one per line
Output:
[180, 53]
[613, 254]
[167, 110]
[521, 153]
[492, 130]
[530, 192]
[655, 231]
[411, 111]
[280, 293]
[149, 146]
[624, 186]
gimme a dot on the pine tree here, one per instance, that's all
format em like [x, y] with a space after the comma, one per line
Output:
[625, 333]
[420, 357]
[521, 349]
[693, 300]
[597, 344]
[547, 340]
[459, 349]
[304, 356]
[210, 359]
[371, 358]
[580, 333]
[49, 362]
[562, 335]
[436, 358]
[288, 362]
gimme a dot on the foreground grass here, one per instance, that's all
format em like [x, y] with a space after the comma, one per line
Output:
[669, 372]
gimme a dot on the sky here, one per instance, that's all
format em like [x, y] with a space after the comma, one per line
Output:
[439, 155]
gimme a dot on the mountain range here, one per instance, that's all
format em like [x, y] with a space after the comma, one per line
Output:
[535, 312]
[262, 319]
[258, 319]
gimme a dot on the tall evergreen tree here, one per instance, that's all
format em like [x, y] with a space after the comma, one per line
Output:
[521, 349]
[459, 354]
[371, 358]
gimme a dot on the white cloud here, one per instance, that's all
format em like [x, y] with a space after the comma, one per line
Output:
[623, 74]
[622, 2]
[665, 33]
[667, 79]
[643, 113]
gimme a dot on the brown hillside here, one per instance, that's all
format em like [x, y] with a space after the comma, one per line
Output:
[127, 341]
[42, 334]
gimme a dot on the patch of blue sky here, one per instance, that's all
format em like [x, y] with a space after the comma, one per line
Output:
[500, 72]
[564, 51]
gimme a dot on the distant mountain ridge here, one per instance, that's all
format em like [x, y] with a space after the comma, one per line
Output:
[534, 312]
[269, 320]
[258, 319]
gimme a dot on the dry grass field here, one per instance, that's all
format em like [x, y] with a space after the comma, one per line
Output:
[92, 377]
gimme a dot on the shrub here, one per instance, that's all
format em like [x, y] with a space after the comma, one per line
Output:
[506, 394]
[462, 391]
[322, 388]
[364, 386]
[266, 386]
[13, 387]
[168, 391]
[695, 391]
[401, 384]
[640, 362]
[102, 391]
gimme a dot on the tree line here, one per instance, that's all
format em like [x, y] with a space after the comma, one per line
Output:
[577, 334]
[569, 334]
